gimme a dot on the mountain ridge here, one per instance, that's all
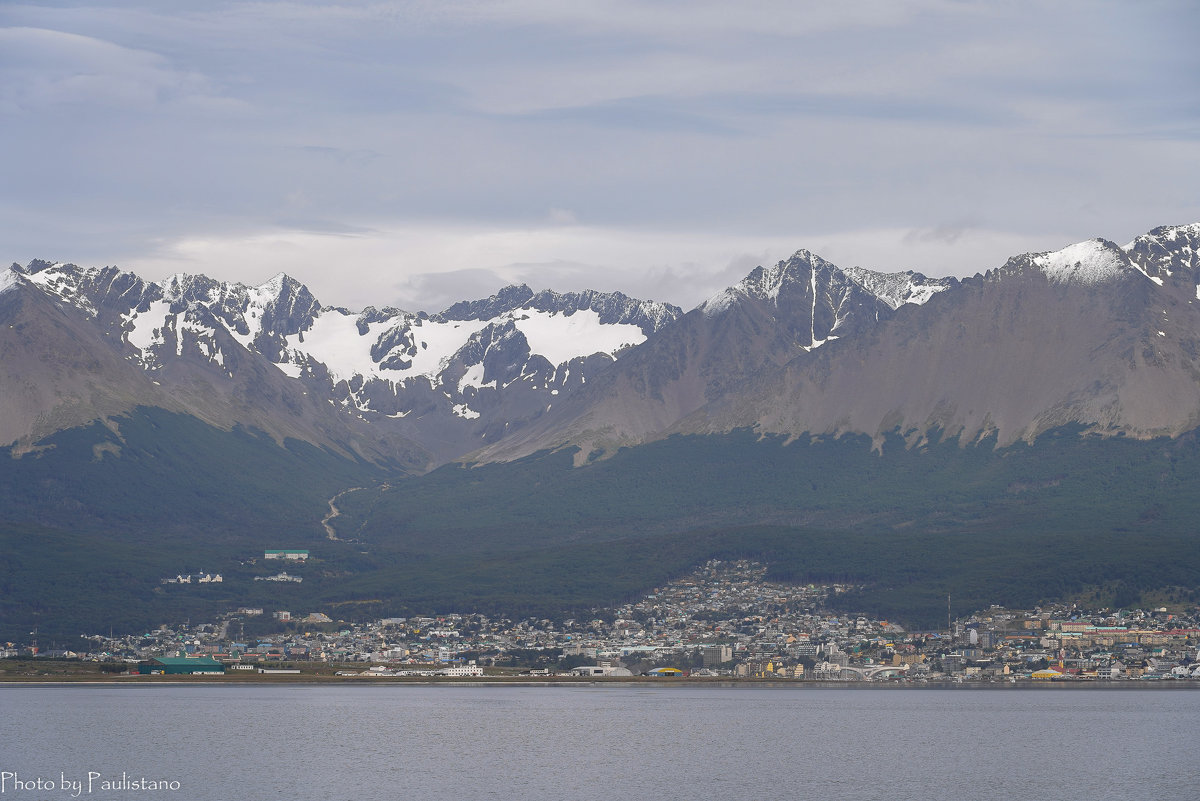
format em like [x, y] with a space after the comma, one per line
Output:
[988, 354]
[465, 374]
[801, 347]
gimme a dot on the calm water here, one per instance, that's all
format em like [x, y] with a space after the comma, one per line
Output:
[602, 742]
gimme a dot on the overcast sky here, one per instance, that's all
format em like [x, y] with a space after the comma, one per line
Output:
[417, 153]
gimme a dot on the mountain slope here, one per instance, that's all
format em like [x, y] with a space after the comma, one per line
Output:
[94, 519]
[273, 357]
[789, 311]
[1082, 335]
[78, 349]
[55, 372]
[1094, 334]
[474, 372]
[1170, 253]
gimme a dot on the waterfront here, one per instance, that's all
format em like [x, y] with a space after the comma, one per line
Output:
[616, 742]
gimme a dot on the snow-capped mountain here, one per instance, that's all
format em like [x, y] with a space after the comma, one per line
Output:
[373, 357]
[1170, 253]
[76, 347]
[815, 301]
[1092, 334]
[774, 315]
[463, 376]
[1095, 334]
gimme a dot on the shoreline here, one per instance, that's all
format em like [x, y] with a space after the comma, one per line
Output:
[560, 681]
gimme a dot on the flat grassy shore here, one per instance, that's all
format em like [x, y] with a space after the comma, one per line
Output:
[68, 672]
[74, 671]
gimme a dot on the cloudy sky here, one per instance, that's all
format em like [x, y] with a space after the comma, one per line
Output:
[416, 153]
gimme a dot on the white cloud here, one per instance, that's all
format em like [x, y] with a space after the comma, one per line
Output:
[427, 266]
[45, 68]
[685, 19]
[622, 144]
[432, 265]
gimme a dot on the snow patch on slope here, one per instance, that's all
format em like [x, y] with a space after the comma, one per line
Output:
[204, 336]
[437, 343]
[146, 333]
[335, 341]
[464, 411]
[560, 337]
[473, 377]
[289, 369]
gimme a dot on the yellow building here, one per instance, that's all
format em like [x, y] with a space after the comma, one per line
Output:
[1047, 674]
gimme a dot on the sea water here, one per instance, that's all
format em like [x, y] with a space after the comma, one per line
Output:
[397, 741]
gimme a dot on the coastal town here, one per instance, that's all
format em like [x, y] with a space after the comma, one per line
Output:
[724, 621]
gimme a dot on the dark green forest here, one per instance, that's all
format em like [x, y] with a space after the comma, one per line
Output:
[90, 524]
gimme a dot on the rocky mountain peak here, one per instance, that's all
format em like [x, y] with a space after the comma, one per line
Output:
[507, 299]
[897, 289]
[778, 283]
[1091, 262]
[280, 307]
[371, 315]
[287, 306]
[9, 278]
[810, 299]
[189, 287]
[768, 283]
[611, 308]
[1168, 251]
[90, 289]
[39, 266]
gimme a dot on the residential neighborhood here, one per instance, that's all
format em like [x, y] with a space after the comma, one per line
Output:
[725, 620]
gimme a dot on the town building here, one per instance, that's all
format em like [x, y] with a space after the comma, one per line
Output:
[298, 555]
[180, 666]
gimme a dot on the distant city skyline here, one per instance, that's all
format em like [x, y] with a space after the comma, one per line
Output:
[414, 154]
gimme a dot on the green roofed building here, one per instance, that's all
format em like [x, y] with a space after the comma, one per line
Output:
[298, 555]
[180, 665]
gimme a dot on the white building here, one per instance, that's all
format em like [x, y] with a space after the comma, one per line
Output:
[286, 554]
[462, 670]
[599, 670]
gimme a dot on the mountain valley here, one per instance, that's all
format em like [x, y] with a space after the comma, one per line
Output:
[542, 451]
